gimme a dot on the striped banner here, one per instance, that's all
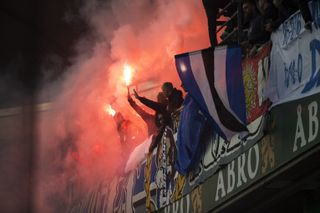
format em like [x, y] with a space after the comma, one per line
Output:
[213, 78]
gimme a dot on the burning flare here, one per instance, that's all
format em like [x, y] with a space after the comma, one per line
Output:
[127, 74]
[110, 110]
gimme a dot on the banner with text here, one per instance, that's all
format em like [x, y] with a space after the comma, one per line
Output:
[295, 60]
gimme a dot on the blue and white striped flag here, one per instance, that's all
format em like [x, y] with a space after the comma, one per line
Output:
[213, 78]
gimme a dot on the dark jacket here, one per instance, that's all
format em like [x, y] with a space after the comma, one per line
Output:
[175, 100]
[274, 16]
[256, 30]
[162, 116]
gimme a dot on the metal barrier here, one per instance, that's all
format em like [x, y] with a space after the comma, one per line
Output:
[239, 15]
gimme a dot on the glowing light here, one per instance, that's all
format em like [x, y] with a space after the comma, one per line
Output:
[108, 108]
[183, 67]
[127, 74]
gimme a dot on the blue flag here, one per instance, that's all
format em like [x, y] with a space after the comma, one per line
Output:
[213, 77]
[190, 132]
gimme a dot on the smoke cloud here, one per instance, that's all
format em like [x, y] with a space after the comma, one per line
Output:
[78, 141]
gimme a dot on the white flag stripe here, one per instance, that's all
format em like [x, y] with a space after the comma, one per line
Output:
[220, 78]
[197, 68]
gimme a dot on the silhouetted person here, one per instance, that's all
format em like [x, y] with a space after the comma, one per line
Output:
[130, 134]
[160, 107]
[269, 13]
[122, 126]
[148, 118]
[255, 23]
[288, 7]
[174, 96]
[162, 116]
[285, 9]
[306, 14]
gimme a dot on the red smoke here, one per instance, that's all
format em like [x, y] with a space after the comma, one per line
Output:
[79, 143]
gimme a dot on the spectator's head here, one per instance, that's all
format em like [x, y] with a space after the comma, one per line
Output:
[263, 5]
[161, 98]
[167, 88]
[249, 8]
[277, 3]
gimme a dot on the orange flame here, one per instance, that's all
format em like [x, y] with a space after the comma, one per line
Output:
[108, 108]
[127, 74]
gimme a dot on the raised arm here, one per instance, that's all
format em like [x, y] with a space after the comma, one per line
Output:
[137, 108]
[149, 103]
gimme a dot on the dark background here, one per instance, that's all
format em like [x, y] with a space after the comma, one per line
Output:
[34, 36]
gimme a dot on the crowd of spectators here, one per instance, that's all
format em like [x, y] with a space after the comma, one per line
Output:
[260, 19]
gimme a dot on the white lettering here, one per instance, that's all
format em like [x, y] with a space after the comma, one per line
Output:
[176, 207]
[299, 131]
[220, 186]
[241, 174]
[251, 173]
[313, 121]
[231, 177]
[167, 209]
[188, 204]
